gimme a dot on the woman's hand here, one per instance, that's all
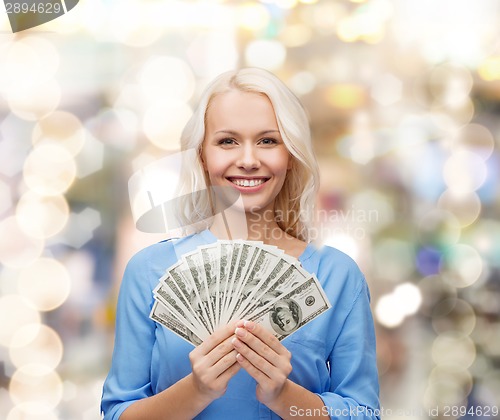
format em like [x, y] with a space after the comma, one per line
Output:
[214, 363]
[264, 358]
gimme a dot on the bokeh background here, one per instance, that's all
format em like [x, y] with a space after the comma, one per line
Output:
[404, 102]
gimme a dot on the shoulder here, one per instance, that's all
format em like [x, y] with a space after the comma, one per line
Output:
[337, 272]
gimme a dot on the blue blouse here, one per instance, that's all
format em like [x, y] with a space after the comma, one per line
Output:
[333, 355]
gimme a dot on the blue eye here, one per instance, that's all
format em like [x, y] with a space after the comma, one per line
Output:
[268, 141]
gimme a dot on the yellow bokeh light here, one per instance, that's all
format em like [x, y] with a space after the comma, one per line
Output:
[42, 216]
[252, 16]
[61, 128]
[465, 207]
[49, 170]
[489, 69]
[19, 313]
[464, 172]
[267, 54]
[163, 124]
[453, 350]
[31, 411]
[35, 102]
[296, 35]
[346, 96]
[45, 283]
[36, 386]
[36, 344]
[165, 77]
[17, 249]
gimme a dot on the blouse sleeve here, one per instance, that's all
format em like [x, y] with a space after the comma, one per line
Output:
[354, 392]
[129, 377]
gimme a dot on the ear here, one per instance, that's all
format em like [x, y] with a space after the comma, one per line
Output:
[202, 159]
[290, 162]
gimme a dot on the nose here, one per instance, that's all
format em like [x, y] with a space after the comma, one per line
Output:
[248, 158]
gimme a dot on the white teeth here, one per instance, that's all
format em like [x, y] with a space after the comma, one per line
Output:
[247, 182]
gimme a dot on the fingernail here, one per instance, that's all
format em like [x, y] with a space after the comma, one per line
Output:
[240, 332]
[249, 325]
[235, 342]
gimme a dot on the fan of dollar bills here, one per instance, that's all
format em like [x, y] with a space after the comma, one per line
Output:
[229, 280]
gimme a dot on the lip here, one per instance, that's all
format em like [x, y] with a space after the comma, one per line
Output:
[249, 189]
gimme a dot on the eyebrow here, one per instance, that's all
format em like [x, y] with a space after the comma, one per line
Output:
[235, 133]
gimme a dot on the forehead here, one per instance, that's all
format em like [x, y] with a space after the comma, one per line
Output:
[236, 108]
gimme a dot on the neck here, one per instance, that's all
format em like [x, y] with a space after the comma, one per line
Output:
[235, 224]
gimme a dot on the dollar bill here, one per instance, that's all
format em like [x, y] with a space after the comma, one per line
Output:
[293, 310]
[161, 314]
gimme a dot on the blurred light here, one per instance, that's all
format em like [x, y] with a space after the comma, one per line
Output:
[484, 236]
[252, 16]
[464, 172]
[491, 346]
[387, 89]
[42, 216]
[266, 54]
[37, 344]
[17, 249]
[214, 52]
[15, 146]
[35, 102]
[26, 62]
[346, 96]
[428, 260]
[453, 315]
[116, 127]
[80, 228]
[477, 139]
[19, 313]
[434, 290]
[438, 228]
[393, 308]
[296, 35]
[163, 123]
[31, 411]
[49, 170]
[447, 387]
[166, 77]
[91, 157]
[369, 209]
[5, 197]
[45, 283]
[465, 207]
[462, 265]
[286, 4]
[393, 259]
[450, 84]
[388, 312]
[36, 386]
[61, 128]
[133, 23]
[302, 83]
[409, 296]
[344, 243]
[453, 350]
[489, 69]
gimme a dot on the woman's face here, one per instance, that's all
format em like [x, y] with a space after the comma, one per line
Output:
[243, 149]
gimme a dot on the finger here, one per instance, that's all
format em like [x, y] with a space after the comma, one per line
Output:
[264, 335]
[248, 356]
[225, 363]
[260, 376]
[217, 337]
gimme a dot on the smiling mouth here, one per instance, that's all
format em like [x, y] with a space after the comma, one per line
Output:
[253, 182]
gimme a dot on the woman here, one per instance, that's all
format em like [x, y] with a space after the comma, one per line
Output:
[252, 138]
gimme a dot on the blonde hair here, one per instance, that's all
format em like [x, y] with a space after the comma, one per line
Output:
[294, 205]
